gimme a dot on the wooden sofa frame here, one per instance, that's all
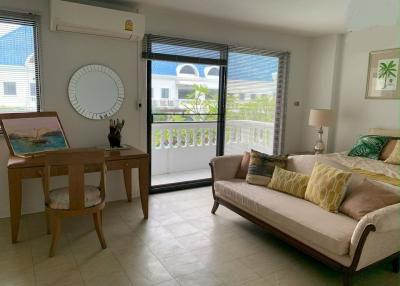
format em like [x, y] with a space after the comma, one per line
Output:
[347, 272]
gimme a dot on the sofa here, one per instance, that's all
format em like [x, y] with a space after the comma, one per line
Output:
[335, 239]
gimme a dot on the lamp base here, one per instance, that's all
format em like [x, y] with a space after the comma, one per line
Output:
[319, 145]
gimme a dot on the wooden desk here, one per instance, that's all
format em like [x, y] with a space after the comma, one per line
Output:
[26, 168]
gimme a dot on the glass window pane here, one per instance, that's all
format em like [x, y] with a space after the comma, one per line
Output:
[184, 125]
[33, 89]
[250, 102]
[165, 93]
[18, 68]
[214, 71]
[184, 92]
[10, 88]
[188, 70]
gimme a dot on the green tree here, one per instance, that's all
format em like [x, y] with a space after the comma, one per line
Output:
[387, 70]
[261, 108]
[201, 103]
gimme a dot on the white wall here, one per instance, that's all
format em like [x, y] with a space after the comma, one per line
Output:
[63, 53]
[324, 63]
[166, 22]
[338, 74]
[355, 113]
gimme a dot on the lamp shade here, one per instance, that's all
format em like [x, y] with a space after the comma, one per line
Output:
[320, 117]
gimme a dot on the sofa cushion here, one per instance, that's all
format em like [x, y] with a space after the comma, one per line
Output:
[368, 197]
[388, 149]
[301, 219]
[305, 164]
[327, 186]
[244, 166]
[394, 157]
[369, 146]
[289, 182]
[262, 166]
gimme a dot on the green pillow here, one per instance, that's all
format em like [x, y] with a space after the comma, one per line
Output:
[369, 146]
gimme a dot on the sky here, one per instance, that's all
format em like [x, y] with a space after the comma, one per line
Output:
[27, 125]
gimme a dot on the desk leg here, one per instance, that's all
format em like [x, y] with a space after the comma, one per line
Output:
[128, 183]
[15, 191]
[144, 186]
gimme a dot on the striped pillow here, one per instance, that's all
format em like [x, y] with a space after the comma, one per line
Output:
[261, 167]
[289, 182]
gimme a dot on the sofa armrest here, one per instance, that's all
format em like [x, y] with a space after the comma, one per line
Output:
[384, 220]
[225, 167]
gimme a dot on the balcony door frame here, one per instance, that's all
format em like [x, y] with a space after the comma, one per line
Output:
[151, 53]
[220, 133]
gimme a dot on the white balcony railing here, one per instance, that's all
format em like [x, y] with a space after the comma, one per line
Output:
[243, 135]
[188, 146]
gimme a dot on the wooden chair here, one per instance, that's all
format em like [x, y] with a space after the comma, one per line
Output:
[76, 199]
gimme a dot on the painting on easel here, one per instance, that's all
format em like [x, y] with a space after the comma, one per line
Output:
[33, 133]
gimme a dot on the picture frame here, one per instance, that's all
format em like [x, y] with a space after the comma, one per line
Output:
[383, 80]
[33, 133]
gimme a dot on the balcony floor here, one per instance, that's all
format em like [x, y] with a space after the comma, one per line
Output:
[175, 177]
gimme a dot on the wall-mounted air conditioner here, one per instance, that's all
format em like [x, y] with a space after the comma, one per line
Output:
[80, 18]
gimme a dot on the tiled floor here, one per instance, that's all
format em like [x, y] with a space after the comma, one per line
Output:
[180, 176]
[180, 244]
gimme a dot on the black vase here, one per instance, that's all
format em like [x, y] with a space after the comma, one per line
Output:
[114, 139]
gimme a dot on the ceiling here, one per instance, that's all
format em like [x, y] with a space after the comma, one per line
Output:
[305, 17]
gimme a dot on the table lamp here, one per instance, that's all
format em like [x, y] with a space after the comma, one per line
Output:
[320, 118]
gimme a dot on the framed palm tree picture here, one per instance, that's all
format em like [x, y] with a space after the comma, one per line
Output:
[383, 75]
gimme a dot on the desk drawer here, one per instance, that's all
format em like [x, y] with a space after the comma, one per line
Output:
[121, 164]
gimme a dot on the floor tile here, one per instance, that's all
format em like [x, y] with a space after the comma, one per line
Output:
[234, 273]
[181, 229]
[58, 270]
[112, 279]
[181, 244]
[168, 283]
[179, 265]
[147, 273]
[200, 278]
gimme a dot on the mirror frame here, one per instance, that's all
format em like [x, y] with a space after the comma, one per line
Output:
[84, 111]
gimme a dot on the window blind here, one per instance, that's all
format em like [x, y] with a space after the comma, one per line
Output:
[256, 100]
[19, 62]
[252, 93]
[182, 50]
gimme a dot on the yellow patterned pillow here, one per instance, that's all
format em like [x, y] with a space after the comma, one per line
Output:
[327, 186]
[394, 157]
[289, 182]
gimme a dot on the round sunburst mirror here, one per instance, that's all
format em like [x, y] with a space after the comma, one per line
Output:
[96, 92]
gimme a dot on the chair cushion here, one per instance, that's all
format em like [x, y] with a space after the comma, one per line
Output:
[59, 198]
[299, 218]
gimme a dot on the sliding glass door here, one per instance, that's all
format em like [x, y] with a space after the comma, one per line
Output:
[184, 109]
[184, 117]
[208, 99]
[254, 101]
